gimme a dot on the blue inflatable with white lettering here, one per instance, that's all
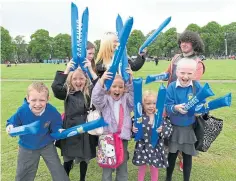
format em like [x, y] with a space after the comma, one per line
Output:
[137, 83]
[200, 97]
[124, 60]
[154, 35]
[119, 51]
[158, 115]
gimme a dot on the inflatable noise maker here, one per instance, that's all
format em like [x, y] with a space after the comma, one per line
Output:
[214, 104]
[153, 78]
[79, 34]
[158, 115]
[124, 60]
[154, 35]
[35, 127]
[79, 129]
[137, 83]
[74, 24]
[200, 97]
[32, 128]
[119, 51]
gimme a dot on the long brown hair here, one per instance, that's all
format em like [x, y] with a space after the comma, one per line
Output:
[91, 46]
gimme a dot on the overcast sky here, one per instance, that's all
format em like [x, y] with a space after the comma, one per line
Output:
[25, 17]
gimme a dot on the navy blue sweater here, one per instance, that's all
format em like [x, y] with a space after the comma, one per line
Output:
[178, 95]
[51, 122]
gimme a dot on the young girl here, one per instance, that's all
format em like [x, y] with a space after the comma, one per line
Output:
[144, 153]
[183, 138]
[73, 88]
[111, 105]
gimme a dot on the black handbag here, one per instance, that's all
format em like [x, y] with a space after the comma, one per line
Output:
[206, 129]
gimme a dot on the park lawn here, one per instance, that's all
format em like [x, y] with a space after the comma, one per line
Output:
[218, 164]
[215, 70]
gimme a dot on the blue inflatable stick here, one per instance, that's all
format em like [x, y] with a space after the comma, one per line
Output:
[32, 128]
[153, 78]
[137, 83]
[74, 30]
[158, 115]
[200, 97]
[154, 35]
[214, 104]
[82, 42]
[79, 129]
[119, 25]
[119, 51]
[124, 59]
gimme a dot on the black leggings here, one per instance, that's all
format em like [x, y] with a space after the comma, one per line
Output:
[83, 168]
[187, 165]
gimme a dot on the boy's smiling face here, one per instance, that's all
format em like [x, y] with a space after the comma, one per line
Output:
[37, 101]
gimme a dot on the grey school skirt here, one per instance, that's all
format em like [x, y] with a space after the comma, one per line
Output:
[183, 139]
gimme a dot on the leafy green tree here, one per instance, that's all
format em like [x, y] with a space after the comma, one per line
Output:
[194, 28]
[230, 35]
[20, 49]
[97, 45]
[40, 46]
[61, 46]
[213, 37]
[136, 39]
[170, 42]
[7, 47]
[157, 46]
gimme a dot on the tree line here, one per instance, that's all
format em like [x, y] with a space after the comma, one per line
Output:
[42, 46]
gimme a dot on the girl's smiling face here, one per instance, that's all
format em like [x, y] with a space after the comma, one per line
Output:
[149, 104]
[185, 75]
[117, 88]
[78, 81]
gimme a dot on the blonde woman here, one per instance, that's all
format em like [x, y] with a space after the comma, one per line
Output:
[73, 88]
[108, 45]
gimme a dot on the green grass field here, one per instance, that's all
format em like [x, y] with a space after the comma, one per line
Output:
[218, 164]
[215, 69]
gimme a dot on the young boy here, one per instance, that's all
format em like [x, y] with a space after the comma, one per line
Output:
[183, 137]
[31, 147]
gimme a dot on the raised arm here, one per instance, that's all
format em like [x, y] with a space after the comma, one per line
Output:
[99, 96]
[130, 89]
[58, 87]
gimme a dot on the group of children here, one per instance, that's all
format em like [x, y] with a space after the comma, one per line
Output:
[77, 91]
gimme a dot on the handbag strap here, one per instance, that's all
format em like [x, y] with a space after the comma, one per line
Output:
[91, 104]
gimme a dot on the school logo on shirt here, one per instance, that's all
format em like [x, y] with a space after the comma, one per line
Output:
[190, 96]
[46, 125]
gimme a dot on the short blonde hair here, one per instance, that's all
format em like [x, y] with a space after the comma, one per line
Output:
[39, 87]
[118, 76]
[106, 50]
[148, 93]
[186, 63]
